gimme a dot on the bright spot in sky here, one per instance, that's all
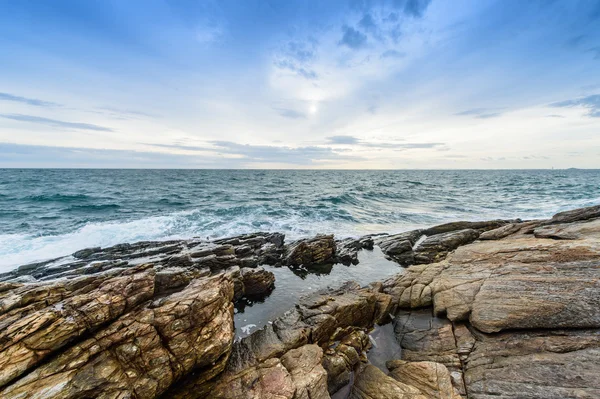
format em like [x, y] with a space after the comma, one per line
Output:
[313, 109]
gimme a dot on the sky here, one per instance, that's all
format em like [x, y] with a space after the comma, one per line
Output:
[357, 84]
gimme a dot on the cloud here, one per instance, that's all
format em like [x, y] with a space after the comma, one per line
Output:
[392, 54]
[296, 56]
[416, 8]
[367, 23]
[595, 51]
[342, 140]
[280, 154]
[590, 103]
[481, 113]
[351, 140]
[267, 153]
[126, 112]
[28, 101]
[19, 155]
[55, 123]
[305, 73]
[352, 38]
[290, 113]
[554, 116]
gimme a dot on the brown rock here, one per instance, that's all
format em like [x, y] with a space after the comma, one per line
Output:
[144, 351]
[317, 251]
[432, 379]
[371, 383]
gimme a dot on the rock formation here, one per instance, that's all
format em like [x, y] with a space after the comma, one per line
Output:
[498, 309]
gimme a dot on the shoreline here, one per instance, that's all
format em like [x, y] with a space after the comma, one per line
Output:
[464, 290]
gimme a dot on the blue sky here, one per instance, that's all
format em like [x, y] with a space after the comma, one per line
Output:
[300, 84]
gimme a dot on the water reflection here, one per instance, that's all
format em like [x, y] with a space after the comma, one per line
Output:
[290, 285]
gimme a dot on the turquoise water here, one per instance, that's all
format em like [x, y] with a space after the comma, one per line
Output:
[49, 213]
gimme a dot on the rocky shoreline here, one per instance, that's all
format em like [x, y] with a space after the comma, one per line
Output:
[495, 309]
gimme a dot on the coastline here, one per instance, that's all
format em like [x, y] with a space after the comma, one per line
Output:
[157, 318]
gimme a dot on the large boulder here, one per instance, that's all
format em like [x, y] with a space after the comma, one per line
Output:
[315, 251]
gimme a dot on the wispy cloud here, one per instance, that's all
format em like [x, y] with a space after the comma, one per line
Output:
[416, 8]
[55, 123]
[127, 113]
[351, 140]
[29, 101]
[267, 153]
[481, 113]
[291, 155]
[590, 103]
[595, 51]
[18, 155]
[342, 140]
[352, 38]
[290, 113]
[392, 54]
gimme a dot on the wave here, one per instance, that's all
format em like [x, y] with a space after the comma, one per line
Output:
[58, 197]
[92, 208]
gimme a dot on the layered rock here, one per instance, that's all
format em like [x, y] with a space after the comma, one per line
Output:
[142, 352]
[315, 251]
[499, 309]
[517, 312]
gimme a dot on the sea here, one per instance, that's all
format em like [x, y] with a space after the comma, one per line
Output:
[48, 213]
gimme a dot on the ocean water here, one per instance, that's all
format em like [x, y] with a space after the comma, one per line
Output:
[54, 212]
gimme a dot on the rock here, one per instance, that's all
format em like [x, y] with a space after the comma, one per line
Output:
[432, 379]
[457, 226]
[298, 374]
[372, 383]
[268, 380]
[576, 215]
[539, 364]
[315, 251]
[343, 356]
[500, 232]
[524, 282]
[399, 247]
[514, 314]
[85, 253]
[36, 321]
[172, 278]
[435, 248]
[308, 376]
[248, 250]
[144, 351]
[257, 281]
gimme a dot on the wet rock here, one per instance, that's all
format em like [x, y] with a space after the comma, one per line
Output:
[348, 248]
[86, 253]
[257, 281]
[399, 247]
[315, 251]
[343, 357]
[318, 319]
